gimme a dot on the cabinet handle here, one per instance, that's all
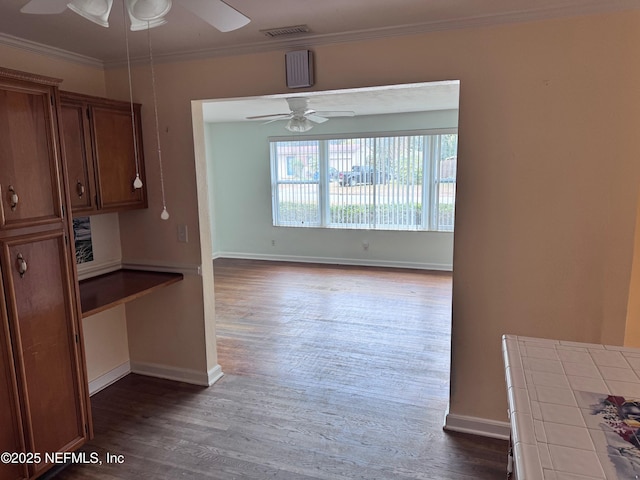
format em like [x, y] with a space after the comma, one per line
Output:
[13, 198]
[80, 189]
[21, 263]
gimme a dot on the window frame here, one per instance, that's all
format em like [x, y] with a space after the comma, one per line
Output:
[430, 179]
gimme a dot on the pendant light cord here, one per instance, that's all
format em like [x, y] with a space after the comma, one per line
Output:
[137, 181]
[155, 111]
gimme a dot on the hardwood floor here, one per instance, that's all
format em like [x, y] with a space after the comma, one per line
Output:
[331, 373]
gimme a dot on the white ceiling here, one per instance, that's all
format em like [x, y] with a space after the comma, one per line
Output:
[329, 21]
[362, 101]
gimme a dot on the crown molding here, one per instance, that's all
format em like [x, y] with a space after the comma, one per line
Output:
[591, 7]
[48, 51]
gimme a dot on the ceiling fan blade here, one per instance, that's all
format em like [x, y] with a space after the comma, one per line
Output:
[338, 113]
[277, 119]
[45, 7]
[258, 117]
[222, 16]
[314, 117]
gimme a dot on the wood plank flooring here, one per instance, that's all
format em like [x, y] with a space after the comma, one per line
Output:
[331, 373]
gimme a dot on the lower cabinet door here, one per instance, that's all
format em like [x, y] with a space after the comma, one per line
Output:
[42, 320]
[11, 438]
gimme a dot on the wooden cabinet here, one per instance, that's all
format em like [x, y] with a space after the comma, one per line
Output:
[103, 153]
[77, 145]
[43, 388]
[30, 182]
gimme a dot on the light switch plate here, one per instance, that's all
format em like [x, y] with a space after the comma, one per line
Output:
[183, 233]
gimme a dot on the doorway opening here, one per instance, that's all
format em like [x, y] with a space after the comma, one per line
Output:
[236, 174]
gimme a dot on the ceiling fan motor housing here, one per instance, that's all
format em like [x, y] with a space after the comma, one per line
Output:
[299, 68]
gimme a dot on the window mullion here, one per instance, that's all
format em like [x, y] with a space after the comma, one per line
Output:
[427, 181]
[275, 211]
[373, 195]
[435, 201]
[323, 187]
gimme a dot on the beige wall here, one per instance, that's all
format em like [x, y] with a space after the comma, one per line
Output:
[548, 175]
[547, 184]
[76, 77]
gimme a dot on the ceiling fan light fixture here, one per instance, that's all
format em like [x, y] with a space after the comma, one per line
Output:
[299, 125]
[149, 9]
[137, 25]
[145, 14]
[96, 11]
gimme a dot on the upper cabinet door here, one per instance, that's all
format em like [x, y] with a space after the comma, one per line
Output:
[30, 192]
[77, 147]
[117, 156]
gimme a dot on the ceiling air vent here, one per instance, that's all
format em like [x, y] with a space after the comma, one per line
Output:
[285, 31]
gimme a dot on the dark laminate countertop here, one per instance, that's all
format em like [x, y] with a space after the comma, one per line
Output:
[105, 291]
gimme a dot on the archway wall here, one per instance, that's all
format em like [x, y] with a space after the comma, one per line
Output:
[547, 184]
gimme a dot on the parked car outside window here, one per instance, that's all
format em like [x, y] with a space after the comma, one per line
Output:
[333, 175]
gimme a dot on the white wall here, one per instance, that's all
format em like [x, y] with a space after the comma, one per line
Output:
[240, 192]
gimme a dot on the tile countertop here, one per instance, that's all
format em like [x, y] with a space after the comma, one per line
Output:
[572, 408]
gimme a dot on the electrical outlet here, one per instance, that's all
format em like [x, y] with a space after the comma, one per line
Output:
[365, 245]
[273, 243]
[183, 233]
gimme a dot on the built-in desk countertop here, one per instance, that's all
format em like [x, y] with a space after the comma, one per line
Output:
[574, 409]
[106, 291]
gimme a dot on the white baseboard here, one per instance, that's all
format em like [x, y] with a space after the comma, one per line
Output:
[186, 375]
[112, 376]
[477, 426]
[214, 374]
[335, 261]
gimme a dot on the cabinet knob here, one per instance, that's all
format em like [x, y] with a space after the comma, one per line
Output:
[80, 188]
[13, 198]
[21, 264]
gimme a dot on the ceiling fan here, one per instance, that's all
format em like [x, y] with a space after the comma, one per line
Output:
[144, 13]
[301, 116]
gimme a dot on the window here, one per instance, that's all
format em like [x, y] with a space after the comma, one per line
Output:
[383, 182]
